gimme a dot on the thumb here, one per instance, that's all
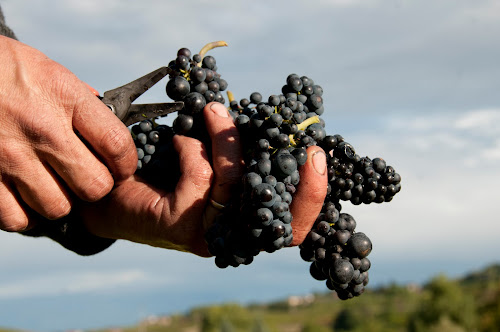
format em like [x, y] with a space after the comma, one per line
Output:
[310, 195]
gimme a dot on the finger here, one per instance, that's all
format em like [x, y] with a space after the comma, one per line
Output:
[94, 91]
[187, 203]
[310, 195]
[227, 160]
[41, 191]
[81, 170]
[107, 135]
[13, 217]
[192, 190]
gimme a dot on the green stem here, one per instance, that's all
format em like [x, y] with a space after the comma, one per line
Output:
[303, 125]
[306, 123]
[210, 46]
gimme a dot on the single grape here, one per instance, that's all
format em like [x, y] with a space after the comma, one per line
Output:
[177, 88]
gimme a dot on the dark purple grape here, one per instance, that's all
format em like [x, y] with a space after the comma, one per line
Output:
[356, 263]
[251, 180]
[318, 90]
[264, 194]
[294, 82]
[201, 88]
[316, 132]
[141, 138]
[264, 216]
[213, 86]
[341, 271]
[277, 228]
[140, 153]
[197, 58]
[317, 273]
[342, 236]
[194, 103]
[323, 228]
[365, 264]
[184, 51]
[183, 124]
[208, 62]
[209, 75]
[379, 165]
[198, 74]
[146, 126]
[285, 164]
[314, 102]
[177, 88]
[182, 62]
[360, 244]
[222, 84]
[255, 98]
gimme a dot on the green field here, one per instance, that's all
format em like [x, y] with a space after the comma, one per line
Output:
[468, 304]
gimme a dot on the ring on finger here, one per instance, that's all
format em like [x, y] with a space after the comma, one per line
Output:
[216, 205]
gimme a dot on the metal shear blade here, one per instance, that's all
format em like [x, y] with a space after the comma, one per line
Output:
[139, 112]
[120, 100]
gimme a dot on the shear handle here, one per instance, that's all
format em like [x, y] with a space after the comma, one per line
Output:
[119, 100]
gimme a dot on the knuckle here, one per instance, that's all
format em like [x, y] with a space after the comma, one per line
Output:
[60, 82]
[97, 188]
[202, 175]
[230, 175]
[38, 129]
[13, 157]
[118, 145]
[116, 142]
[58, 208]
[13, 223]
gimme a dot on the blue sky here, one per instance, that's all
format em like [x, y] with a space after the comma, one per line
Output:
[414, 82]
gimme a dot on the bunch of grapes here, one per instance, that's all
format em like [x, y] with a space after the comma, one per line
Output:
[195, 82]
[275, 133]
[157, 159]
[359, 179]
[338, 253]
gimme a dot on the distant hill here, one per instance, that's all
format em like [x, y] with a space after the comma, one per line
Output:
[491, 273]
[470, 303]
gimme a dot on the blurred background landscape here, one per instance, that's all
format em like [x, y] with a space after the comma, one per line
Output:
[413, 82]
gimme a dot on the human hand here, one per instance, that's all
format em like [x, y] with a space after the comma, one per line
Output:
[42, 160]
[139, 212]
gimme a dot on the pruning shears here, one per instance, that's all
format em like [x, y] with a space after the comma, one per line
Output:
[119, 100]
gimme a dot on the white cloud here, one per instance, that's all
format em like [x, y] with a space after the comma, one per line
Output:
[349, 3]
[492, 153]
[485, 122]
[450, 177]
[467, 138]
[68, 282]
[485, 10]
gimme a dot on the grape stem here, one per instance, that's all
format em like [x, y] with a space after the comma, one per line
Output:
[306, 123]
[210, 46]
[303, 125]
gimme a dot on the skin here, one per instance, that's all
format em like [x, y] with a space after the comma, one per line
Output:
[138, 212]
[43, 163]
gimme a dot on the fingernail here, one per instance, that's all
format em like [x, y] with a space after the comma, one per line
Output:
[319, 162]
[219, 109]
